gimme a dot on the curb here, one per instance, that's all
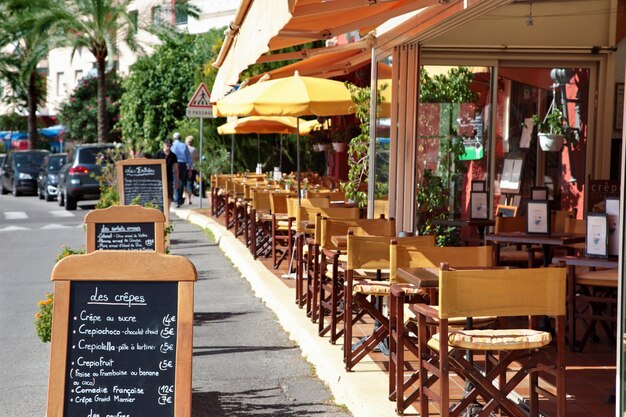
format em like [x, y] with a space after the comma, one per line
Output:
[364, 391]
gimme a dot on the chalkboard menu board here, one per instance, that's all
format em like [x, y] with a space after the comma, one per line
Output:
[125, 236]
[122, 330]
[121, 349]
[143, 181]
[125, 228]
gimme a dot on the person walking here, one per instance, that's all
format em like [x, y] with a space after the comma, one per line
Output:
[171, 166]
[184, 160]
[193, 168]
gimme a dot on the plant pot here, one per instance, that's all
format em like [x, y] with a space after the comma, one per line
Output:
[319, 147]
[551, 143]
[340, 146]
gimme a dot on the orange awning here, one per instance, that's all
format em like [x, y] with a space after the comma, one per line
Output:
[260, 27]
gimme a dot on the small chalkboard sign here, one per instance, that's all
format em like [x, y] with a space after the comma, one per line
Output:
[125, 228]
[121, 335]
[143, 181]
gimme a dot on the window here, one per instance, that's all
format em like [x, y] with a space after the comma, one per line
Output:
[60, 91]
[78, 74]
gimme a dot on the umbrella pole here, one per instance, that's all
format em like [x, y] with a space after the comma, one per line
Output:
[280, 154]
[298, 155]
[232, 154]
[258, 150]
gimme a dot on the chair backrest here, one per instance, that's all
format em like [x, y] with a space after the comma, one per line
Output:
[506, 211]
[367, 252]
[261, 201]
[502, 292]
[332, 195]
[510, 224]
[278, 201]
[406, 255]
[381, 207]
[361, 227]
[331, 212]
[558, 219]
[573, 225]
[310, 202]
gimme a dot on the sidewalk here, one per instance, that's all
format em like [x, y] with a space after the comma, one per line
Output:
[363, 391]
[243, 363]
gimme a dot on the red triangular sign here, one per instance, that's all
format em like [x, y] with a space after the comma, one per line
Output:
[201, 98]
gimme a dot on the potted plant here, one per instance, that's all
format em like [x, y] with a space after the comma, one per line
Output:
[552, 132]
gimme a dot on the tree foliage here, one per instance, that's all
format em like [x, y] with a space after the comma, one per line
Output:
[24, 45]
[79, 111]
[161, 85]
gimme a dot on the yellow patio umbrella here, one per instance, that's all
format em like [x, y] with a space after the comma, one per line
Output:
[268, 125]
[290, 96]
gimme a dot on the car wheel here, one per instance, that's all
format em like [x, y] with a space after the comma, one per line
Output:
[15, 192]
[70, 202]
[61, 198]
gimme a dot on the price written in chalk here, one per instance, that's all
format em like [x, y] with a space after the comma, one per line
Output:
[121, 349]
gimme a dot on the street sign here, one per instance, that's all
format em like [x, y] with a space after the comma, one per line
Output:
[200, 104]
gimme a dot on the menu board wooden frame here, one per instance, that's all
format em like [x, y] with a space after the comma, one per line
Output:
[122, 266]
[125, 214]
[119, 167]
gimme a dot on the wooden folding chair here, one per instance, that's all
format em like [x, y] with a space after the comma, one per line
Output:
[282, 234]
[261, 223]
[328, 284]
[403, 320]
[307, 256]
[510, 355]
[367, 257]
[515, 255]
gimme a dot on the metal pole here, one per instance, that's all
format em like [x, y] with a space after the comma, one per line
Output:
[232, 154]
[258, 149]
[201, 125]
[371, 176]
[280, 158]
[298, 154]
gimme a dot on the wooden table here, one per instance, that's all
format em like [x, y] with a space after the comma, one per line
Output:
[545, 241]
[479, 224]
[340, 241]
[420, 277]
[572, 262]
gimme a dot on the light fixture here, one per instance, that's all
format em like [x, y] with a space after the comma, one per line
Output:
[445, 1]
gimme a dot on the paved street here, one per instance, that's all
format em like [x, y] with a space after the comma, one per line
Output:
[30, 239]
[244, 364]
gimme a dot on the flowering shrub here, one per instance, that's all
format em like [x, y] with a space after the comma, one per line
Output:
[43, 318]
[79, 112]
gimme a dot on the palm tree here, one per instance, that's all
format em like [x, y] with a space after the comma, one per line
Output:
[100, 26]
[96, 25]
[26, 46]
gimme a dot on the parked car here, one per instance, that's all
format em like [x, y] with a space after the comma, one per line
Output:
[19, 171]
[48, 177]
[78, 178]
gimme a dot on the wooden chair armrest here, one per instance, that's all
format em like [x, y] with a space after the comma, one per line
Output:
[425, 310]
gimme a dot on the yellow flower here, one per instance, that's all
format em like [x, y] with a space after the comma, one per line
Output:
[40, 303]
[38, 316]
[48, 301]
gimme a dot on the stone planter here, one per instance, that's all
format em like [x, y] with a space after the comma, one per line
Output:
[551, 143]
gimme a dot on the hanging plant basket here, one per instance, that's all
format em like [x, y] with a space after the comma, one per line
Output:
[551, 142]
[340, 146]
